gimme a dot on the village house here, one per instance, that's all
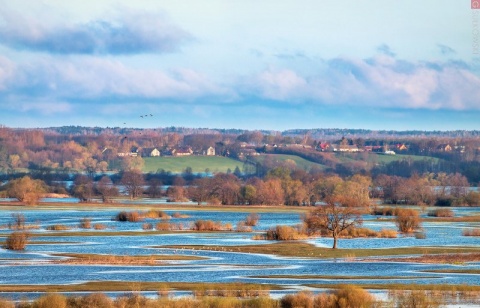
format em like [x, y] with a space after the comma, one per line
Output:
[150, 152]
[210, 151]
[345, 148]
[133, 153]
[182, 151]
[444, 148]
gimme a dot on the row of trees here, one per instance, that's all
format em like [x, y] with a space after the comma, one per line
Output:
[280, 186]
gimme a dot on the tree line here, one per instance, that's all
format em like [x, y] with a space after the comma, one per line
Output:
[280, 186]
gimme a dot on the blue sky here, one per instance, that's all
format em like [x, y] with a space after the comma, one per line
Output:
[374, 64]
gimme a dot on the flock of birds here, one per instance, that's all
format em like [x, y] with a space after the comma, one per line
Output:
[141, 116]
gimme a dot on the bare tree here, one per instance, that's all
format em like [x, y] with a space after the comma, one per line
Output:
[133, 181]
[83, 188]
[106, 189]
[332, 218]
[26, 190]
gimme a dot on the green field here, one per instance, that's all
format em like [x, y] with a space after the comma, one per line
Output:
[214, 164]
[382, 158]
[279, 158]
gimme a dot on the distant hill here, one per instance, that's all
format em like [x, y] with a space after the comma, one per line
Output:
[316, 133]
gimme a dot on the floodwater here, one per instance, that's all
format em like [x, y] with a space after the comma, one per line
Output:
[33, 266]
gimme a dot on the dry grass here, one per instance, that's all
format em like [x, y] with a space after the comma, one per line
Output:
[168, 226]
[87, 259]
[441, 213]
[452, 258]
[156, 214]
[180, 215]
[302, 249]
[231, 290]
[387, 233]
[345, 296]
[57, 228]
[283, 233]
[210, 225]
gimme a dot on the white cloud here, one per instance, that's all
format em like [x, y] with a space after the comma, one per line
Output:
[131, 32]
[382, 81]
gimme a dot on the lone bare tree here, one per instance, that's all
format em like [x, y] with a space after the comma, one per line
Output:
[332, 218]
[133, 181]
[26, 190]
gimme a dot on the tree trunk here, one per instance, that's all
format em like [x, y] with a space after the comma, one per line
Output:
[334, 242]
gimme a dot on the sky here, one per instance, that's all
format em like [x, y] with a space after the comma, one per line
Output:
[246, 64]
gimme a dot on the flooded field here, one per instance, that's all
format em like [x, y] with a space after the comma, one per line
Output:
[36, 266]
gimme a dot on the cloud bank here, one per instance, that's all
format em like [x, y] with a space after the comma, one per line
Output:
[382, 81]
[130, 33]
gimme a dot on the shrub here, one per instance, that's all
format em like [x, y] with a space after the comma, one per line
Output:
[441, 213]
[207, 225]
[252, 220]
[284, 233]
[147, 226]
[128, 216]
[179, 215]
[85, 223]
[157, 215]
[51, 301]
[444, 201]
[358, 232]
[352, 296]
[242, 227]
[407, 220]
[17, 241]
[6, 304]
[99, 227]
[301, 299]
[19, 223]
[96, 300]
[471, 232]
[473, 198]
[131, 300]
[57, 228]
[416, 299]
[383, 211]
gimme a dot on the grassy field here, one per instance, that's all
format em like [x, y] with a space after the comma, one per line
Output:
[382, 158]
[279, 158]
[198, 164]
